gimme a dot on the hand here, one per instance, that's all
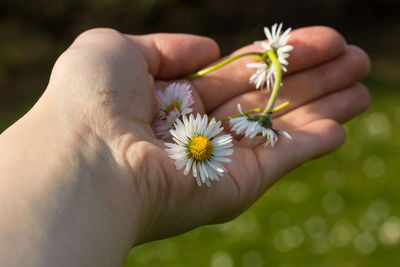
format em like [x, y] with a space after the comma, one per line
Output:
[322, 86]
[101, 97]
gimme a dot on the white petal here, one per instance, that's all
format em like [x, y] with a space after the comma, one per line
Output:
[203, 125]
[180, 164]
[222, 153]
[216, 166]
[273, 30]
[240, 109]
[256, 65]
[222, 159]
[201, 171]
[198, 181]
[194, 169]
[187, 168]
[285, 49]
[285, 134]
[258, 43]
[278, 31]
[204, 167]
[222, 140]
[268, 34]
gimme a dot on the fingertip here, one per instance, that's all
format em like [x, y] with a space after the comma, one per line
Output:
[314, 141]
[323, 136]
[323, 35]
[363, 97]
[313, 46]
[330, 134]
[212, 47]
[309, 142]
[362, 58]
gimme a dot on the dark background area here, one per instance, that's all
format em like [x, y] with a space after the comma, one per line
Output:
[35, 33]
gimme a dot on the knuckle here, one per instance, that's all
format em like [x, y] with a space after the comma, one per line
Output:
[97, 34]
[100, 31]
[62, 66]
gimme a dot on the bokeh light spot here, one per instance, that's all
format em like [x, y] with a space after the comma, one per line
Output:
[342, 234]
[365, 243]
[378, 126]
[289, 238]
[221, 259]
[334, 179]
[374, 167]
[316, 226]
[332, 202]
[252, 259]
[389, 232]
[297, 192]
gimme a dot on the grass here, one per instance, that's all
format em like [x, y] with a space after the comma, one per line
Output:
[340, 210]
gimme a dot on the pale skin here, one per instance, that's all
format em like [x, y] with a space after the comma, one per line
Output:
[83, 178]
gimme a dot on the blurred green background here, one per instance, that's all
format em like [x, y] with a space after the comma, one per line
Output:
[341, 210]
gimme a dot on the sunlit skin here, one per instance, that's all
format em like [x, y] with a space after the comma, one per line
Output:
[85, 179]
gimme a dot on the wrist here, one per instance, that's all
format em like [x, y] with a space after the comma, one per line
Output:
[60, 185]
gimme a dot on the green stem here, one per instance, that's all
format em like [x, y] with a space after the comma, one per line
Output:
[282, 106]
[278, 78]
[219, 65]
[256, 110]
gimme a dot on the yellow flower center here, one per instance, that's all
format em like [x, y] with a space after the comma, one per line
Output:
[171, 107]
[200, 148]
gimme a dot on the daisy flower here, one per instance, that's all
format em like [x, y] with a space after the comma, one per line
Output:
[198, 150]
[259, 125]
[264, 77]
[174, 102]
[265, 73]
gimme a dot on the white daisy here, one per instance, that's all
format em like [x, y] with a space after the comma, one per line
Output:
[174, 102]
[264, 76]
[276, 40]
[197, 150]
[250, 128]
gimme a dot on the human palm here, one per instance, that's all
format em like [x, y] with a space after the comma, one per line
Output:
[110, 78]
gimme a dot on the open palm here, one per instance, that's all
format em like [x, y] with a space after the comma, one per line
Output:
[117, 75]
